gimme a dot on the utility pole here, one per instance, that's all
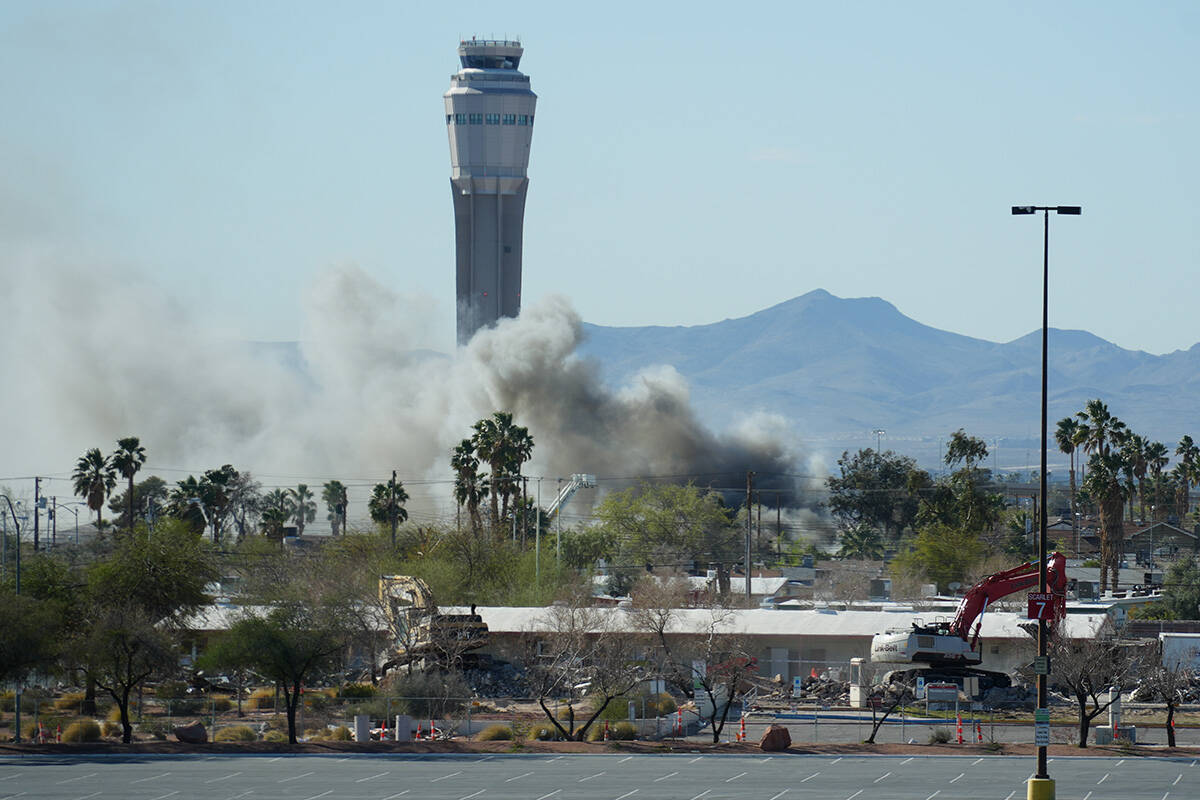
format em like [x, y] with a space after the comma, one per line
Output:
[53, 522]
[37, 487]
[392, 507]
[749, 519]
[758, 528]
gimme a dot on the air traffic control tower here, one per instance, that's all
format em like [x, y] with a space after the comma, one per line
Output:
[489, 117]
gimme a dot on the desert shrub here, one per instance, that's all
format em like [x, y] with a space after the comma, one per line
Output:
[544, 733]
[155, 727]
[69, 701]
[261, 699]
[341, 734]
[114, 714]
[235, 733]
[939, 736]
[659, 705]
[85, 730]
[171, 690]
[110, 728]
[357, 690]
[623, 731]
[221, 703]
[275, 736]
[655, 705]
[596, 732]
[8, 700]
[428, 694]
[495, 733]
[317, 701]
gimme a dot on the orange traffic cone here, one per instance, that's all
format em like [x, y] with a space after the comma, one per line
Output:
[958, 729]
[979, 731]
[58, 733]
[742, 730]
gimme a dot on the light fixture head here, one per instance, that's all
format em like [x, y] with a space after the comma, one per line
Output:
[1022, 210]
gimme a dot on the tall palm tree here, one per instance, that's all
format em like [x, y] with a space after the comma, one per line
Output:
[304, 508]
[277, 508]
[93, 479]
[504, 446]
[334, 495]
[186, 501]
[1189, 455]
[1133, 453]
[1156, 459]
[1103, 483]
[387, 502]
[1097, 428]
[470, 486]
[1064, 436]
[127, 460]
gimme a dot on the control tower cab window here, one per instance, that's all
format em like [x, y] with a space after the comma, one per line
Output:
[491, 62]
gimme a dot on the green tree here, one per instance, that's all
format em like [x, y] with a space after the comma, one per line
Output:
[93, 479]
[1181, 592]
[1098, 429]
[1065, 433]
[1104, 486]
[1133, 453]
[149, 496]
[127, 460]
[676, 527]
[124, 648]
[215, 487]
[187, 504]
[277, 508]
[470, 485]
[875, 489]
[505, 446]
[336, 500]
[292, 643]
[1156, 461]
[942, 554]
[31, 634]
[387, 503]
[304, 508]
[861, 543]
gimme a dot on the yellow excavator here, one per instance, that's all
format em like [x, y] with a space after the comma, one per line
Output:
[423, 636]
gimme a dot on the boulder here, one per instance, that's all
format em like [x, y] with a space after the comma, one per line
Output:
[775, 739]
[191, 734]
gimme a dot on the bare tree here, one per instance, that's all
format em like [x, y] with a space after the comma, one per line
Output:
[582, 659]
[1166, 680]
[698, 653]
[888, 699]
[1087, 668]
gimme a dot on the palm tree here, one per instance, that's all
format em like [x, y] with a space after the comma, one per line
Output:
[470, 487]
[387, 502]
[93, 479]
[127, 460]
[1133, 453]
[304, 508]
[861, 543]
[504, 446]
[187, 503]
[334, 495]
[277, 508]
[1188, 454]
[1097, 428]
[1103, 483]
[1064, 435]
[1156, 459]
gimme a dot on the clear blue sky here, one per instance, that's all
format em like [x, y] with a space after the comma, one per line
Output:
[691, 162]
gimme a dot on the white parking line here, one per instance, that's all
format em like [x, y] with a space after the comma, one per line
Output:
[371, 778]
[810, 777]
[556, 758]
[623, 760]
[735, 777]
[1177, 780]
[765, 760]
[273, 760]
[397, 794]
[664, 777]
[1165, 796]
[627, 794]
[1014, 791]
[517, 777]
[10, 777]
[839, 758]
[165, 796]
[224, 777]
[905, 761]
[151, 778]
[976, 761]
[939, 791]
[295, 777]
[1086, 796]
[781, 794]
[1119, 763]
[322, 794]
[243, 794]
[86, 796]
[11, 796]
[543, 797]
[694, 760]
[697, 797]
[79, 777]
[856, 794]
[1102, 780]
[952, 780]
[881, 777]
[589, 777]
[485, 758]
[472, 794]
[451, 775]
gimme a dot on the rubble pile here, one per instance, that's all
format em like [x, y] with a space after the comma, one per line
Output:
[999, 697]
[827, 691]
[1188, 692]
[498, 679]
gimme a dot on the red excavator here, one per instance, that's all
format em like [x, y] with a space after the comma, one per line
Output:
[950, 648]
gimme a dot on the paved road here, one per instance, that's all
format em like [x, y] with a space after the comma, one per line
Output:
[587, 777]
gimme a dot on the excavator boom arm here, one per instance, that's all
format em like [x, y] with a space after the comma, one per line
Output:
[1002, 584]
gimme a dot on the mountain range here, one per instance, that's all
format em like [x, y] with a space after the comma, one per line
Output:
[838, 369]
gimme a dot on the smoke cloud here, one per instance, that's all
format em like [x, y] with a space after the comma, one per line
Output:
[92, 354]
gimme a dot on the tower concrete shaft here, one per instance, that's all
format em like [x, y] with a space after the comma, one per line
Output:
[489, 117]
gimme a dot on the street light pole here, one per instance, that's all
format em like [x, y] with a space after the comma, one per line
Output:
[17, 693]
[1041, 787]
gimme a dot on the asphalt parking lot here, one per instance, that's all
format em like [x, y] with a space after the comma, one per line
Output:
[586, 777]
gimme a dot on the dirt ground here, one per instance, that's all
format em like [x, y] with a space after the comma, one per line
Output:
[465, 746]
